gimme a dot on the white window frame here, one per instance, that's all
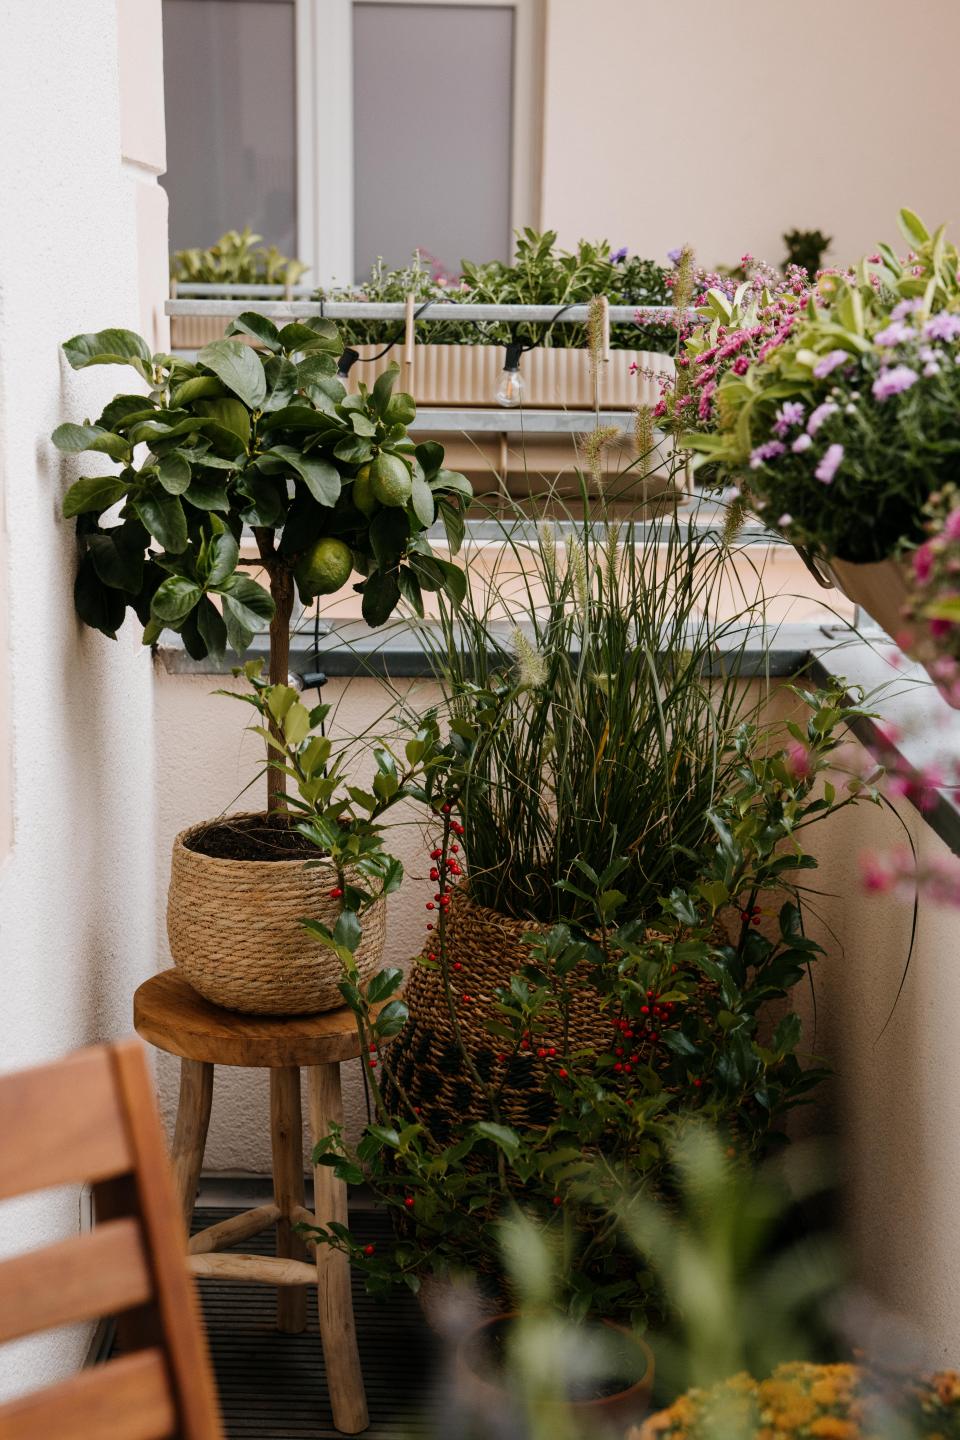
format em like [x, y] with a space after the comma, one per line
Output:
[325, 159]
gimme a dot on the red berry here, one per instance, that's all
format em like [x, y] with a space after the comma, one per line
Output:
[409, 1202]
[369, 1249]
[336, 893]
[429, 927]
[541, 1052]
[628, 1068]
[430, 905]
[445, 809]
[455, 849]
[552, 1051]
[434, 874]
[618, 1067]
[562, 1073]
[467, 999]
[435, 854]
[697, 1084]
[557, 1200]
[501, 1059]
[457, 965]
[644, 1009]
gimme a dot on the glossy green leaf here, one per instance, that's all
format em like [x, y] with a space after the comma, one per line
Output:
[173, 470]
[109, 347]
[258, 327]
[163, 516]
[95, 493]
[198, 387]
[321, 477]
[100, 606]
[73, 439]
[239, 367]
[174, 599]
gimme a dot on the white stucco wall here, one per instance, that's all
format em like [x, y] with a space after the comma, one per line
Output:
[723, 125]
[77, 881]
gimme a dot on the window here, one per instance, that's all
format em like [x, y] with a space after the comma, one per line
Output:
[345, 129]
[229, 68]
[433, 123]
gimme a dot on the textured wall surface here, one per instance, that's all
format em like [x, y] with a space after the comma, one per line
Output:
[725, 125]
[77, 885]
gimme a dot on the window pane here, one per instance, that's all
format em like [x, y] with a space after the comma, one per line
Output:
[229, 81]
[433, 89]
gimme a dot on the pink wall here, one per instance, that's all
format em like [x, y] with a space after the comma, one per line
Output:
[724, 124]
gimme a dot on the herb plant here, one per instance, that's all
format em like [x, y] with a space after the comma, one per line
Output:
[237, 258]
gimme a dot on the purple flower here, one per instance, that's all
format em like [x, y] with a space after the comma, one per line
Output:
[896, 332]
[822, 413]
[944, 326]
[893, 381]
[830, 463]
[766, 452]
[785, 519]
[791, 413]
[618, 255]
[829, 363]
[674, 255]
[802, 442]
[903, 308]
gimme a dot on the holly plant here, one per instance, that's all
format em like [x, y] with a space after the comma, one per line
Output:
[261, 435]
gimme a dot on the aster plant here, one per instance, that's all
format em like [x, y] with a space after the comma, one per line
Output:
[842, 424]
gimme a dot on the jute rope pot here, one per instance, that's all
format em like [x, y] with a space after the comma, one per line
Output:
[426, 1057]
[235, 934]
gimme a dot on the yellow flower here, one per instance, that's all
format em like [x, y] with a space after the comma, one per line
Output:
[831, 1427]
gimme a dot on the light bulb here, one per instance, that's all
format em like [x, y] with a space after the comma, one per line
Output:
[510, 389]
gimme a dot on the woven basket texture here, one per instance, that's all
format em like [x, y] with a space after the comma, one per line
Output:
[235, 934]
[425, 1055]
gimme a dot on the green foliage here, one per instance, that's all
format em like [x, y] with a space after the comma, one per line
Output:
[893, 442]
[263, 437]
[806, 248]
[617, 740]
[541, 274]
[684, 1001]
[237, 258]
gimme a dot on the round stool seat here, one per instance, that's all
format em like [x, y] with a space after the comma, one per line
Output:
[171, 1015]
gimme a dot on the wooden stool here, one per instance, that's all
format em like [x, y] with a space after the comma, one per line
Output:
[172, 1016]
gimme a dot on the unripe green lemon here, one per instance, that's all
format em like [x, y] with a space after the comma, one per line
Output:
[390, 480]
[326, 566]
[363, 496]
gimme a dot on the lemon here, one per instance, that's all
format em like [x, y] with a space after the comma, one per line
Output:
[363, 496]
[390, 480]
[326, 566]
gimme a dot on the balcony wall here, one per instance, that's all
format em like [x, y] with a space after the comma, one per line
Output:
[76, 787]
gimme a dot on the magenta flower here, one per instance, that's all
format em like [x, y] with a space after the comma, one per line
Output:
[770, 451]
[830, 464]
[741, 365]
[951, 528]
[923, 563]
[829, 363]
[894, 381]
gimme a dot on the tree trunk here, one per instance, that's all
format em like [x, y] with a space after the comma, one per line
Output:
[281, 589]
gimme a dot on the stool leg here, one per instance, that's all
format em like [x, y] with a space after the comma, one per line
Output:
[334, 1300]
[286, 1134]
[190, 1132]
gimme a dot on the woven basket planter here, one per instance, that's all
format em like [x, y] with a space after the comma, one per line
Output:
[235, 934]
[425, 1055]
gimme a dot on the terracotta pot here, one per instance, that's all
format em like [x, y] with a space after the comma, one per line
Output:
[480, 1388]
[235, 934]
[882, 589]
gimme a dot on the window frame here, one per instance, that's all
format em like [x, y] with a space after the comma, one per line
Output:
[324, 126]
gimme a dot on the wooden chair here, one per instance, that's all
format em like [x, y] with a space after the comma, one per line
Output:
[92, 1118]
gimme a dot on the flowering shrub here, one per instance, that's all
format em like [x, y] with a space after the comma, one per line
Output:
[737, 323]
[813, 1402]
[848, 408]
[933, 612]
[684, 1002]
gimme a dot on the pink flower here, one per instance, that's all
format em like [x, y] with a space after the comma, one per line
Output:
[894, 381]
[923, 563]
[798, 760]
[741, 365]
[894, 334]
[770, 451]
[802, 442]
[829, 363]
[876, 878]
[820, 415]
[944, 326]
[790, 413]
[951, 528]
[830, 464]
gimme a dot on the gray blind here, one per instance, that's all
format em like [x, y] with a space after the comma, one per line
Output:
[229, 82]
[433, 88]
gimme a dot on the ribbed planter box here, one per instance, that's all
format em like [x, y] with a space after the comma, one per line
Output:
[552, 377]
[882, 589]
[235, 934]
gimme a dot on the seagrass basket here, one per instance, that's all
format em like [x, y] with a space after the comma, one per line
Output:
[235, 934]
[425, 1056]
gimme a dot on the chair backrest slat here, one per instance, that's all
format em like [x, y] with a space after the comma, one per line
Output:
[129, 1399]
[102, 1273]
[93, 1117]
[61, 1125]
